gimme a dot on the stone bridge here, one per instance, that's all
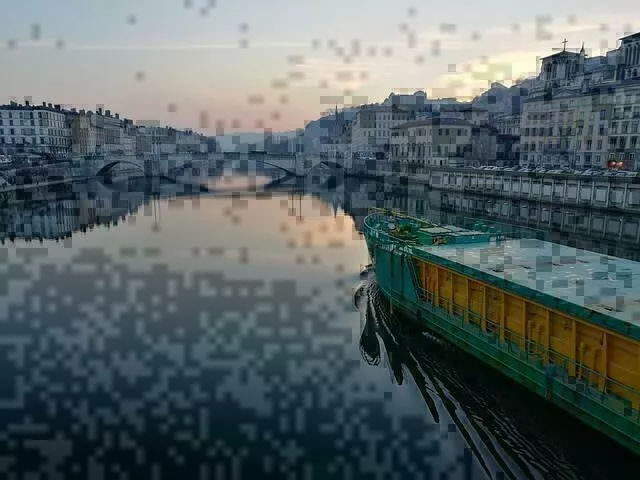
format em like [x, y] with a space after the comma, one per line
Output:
[194, 166]
[171, 164]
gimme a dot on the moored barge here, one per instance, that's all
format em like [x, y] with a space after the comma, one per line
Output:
[563, 322]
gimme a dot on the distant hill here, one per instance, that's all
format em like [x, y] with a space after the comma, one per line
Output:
[500, 99]
[320, 128]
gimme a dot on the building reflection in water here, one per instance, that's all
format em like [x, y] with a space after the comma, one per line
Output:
[55, 214]
[606, 232]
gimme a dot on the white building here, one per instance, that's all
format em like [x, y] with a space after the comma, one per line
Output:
[35, 129]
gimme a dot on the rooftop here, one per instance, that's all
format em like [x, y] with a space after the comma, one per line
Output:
[605, 284]
[434, 121]
[629, 37]
[453, 107]
[562, 53]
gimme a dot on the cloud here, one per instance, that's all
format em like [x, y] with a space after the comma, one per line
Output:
[150, 48]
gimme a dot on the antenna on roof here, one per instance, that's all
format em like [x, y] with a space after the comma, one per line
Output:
[564, 48]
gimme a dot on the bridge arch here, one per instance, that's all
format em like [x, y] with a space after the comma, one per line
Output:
[106, 168]
[287, 171]
[333, 165]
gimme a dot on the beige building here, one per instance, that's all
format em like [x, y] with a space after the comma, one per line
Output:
[599, 128]
[565, 130]
[445, 141]
[151, 139]
[83, 132]
[114, 135]
[371, 129]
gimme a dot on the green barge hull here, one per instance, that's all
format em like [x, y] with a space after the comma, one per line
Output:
[568, 346]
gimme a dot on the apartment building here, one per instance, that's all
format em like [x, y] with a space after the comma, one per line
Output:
[371, 130]
[83, 132]
[33, 129]
[629, 54]
[624, 127]
[450, 142]
[565, 129]
[598, 128]
[507, 124]
[156, 140]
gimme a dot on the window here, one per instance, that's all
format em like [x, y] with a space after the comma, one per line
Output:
[599, 145]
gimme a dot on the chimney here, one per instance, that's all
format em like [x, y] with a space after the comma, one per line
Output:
[26, 102]
[44, 104]
[108, 113]
[100, 111]
[49, 105]
[117, 116]
[57, 107]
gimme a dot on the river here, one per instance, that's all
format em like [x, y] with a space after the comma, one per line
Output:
[151, 333]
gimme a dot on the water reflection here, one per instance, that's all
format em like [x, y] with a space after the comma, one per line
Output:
[511, 432]
[210, 334]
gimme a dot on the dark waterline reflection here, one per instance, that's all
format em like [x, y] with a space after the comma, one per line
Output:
[149, 333]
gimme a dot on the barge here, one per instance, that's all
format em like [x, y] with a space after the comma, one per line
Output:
[562, 322]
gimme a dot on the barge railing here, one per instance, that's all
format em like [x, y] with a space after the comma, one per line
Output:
[586, 382]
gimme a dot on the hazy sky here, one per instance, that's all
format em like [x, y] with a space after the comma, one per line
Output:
[199, 62]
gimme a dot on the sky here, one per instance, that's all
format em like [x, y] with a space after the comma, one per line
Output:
[220, 66]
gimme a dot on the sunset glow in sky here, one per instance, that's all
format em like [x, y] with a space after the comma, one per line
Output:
[253, 64]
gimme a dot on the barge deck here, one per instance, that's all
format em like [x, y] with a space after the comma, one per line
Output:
[563, 322]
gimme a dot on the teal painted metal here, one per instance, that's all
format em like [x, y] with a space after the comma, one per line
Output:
[396, 277]
[626, 324]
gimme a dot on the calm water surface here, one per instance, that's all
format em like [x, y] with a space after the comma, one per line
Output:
[232, 336]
